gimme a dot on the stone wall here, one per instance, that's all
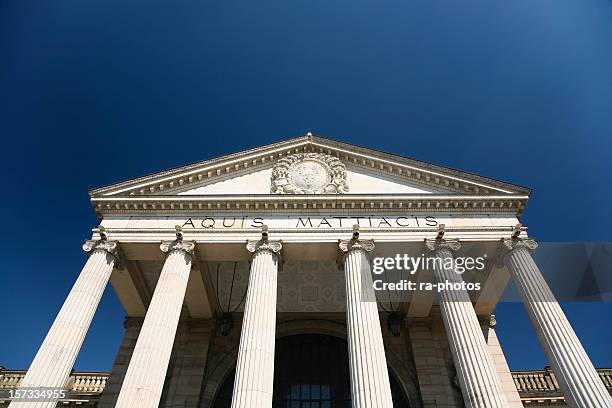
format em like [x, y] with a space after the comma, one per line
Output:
[420, 359]
[433, 362]
[186, 369]
[187, 364]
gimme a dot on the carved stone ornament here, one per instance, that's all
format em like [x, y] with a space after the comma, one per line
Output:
[437, 244]
[515, 243]
[264, 245]
[347, 245]
[111, 247]
[511, 244]
[176, 245]
[309, 173]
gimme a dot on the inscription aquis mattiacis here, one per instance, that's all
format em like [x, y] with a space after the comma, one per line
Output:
[315, 222]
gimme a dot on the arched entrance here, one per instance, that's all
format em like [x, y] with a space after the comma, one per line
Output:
[310, 371]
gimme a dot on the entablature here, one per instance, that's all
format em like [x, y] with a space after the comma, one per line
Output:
[161, 205]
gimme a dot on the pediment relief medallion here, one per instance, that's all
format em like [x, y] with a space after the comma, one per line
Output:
[309, 173]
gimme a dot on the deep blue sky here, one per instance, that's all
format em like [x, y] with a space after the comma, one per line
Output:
[98, 91]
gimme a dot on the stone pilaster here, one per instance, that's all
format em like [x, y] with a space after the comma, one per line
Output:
[370, 386]
[56, 356]
[499, 360]
[575, 373]
[255, 367]
[479, 381]
[144, 380]
[132, 327]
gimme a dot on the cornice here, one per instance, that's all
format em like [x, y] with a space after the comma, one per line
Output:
[180, 177]
[303, 203]
[209, 171]
[423, 171]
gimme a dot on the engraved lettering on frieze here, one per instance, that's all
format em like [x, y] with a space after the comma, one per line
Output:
[319, 222]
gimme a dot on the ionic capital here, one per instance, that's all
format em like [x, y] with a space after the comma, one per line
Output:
[348, 245]
[265, 245]
[110, 247]
[187, 247]
[434, 245]
[509, 245]
[515, 243]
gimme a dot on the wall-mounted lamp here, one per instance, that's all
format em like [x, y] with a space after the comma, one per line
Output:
[264, 231]
[355, 231]
[102, 232]
[441, 230]
[179, 232]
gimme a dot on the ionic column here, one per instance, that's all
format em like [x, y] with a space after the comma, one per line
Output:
[144, 379]
[55, 357]
[255, 367]
[478, 379]
[573, 369]
[370, 386]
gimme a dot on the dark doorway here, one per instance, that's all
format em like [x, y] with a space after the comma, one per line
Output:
[310, 371]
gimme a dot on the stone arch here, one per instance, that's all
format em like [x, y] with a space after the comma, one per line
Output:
[226, 364]
[216, 377]
[406, 379]
[311, 326]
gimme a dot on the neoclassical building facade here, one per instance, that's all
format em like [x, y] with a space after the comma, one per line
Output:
[247, 283]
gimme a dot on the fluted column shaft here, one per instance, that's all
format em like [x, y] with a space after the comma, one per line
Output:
[478, 379]
[56, 356]
[573, 369]
[370, 386]
[254, 378]
[144, 379]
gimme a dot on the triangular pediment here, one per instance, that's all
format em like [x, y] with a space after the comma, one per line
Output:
[369, 172]
[265, 173]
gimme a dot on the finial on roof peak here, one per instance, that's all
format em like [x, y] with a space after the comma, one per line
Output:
[309, 134]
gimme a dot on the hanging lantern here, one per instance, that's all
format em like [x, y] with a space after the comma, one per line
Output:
[394, 324]
[226, 324]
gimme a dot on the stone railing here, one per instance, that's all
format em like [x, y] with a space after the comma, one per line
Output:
[78, 383]
[543, 382]
[532, 385]
[535, 381]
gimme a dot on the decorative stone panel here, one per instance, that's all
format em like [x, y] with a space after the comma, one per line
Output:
[309, 173]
